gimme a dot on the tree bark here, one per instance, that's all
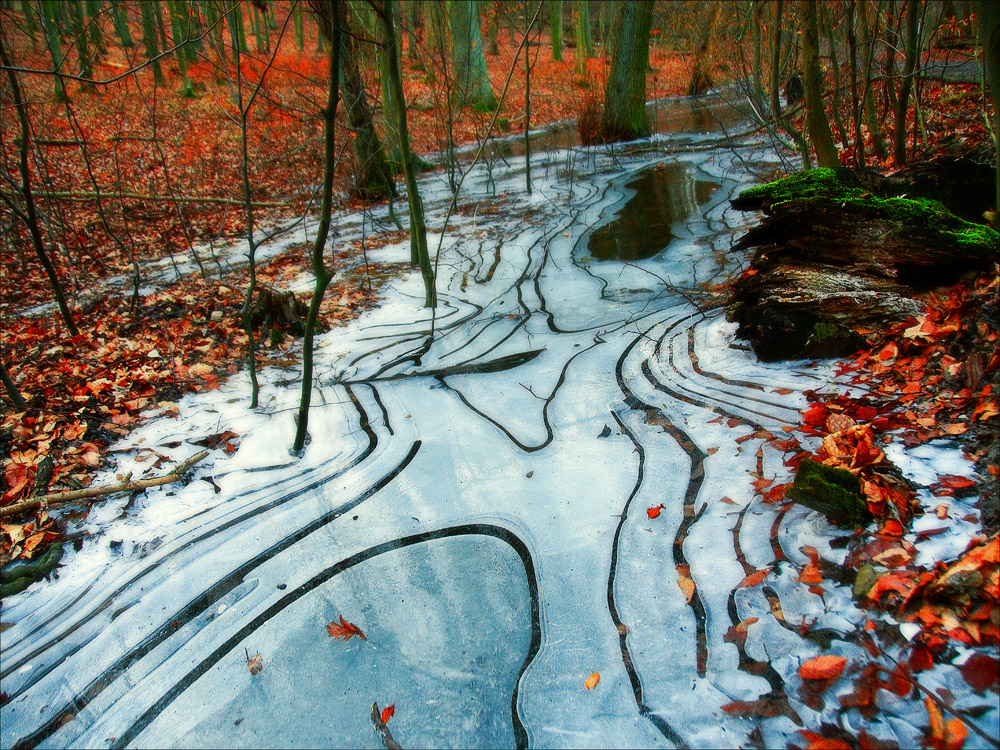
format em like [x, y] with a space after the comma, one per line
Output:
[149, 41]
[372, 176]
[903, 98]
[418, 232]
[556, 28]
[322, 273]
[989, 36]
[819, 126]
[468, 60]
[776, 110]
[8, 384]
[624, 116]
[868, 97]
[584, 47]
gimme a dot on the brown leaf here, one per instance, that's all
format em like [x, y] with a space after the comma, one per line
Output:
[345, 630]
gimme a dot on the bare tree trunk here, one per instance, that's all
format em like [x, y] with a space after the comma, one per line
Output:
[527, 99]
[989, 36]
[868, 98]
[12, 393]
[856, 106]
[701, 81]
[322, 273]
[796, 135]
[819, 126]
[903, 98]
[556, 28]
[584, 48]
[624, 115]
[29, 215]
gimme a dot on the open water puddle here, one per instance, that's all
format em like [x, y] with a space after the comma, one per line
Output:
[474, 498]
[663, 195]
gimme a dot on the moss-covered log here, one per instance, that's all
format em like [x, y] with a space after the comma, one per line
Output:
[840, 255]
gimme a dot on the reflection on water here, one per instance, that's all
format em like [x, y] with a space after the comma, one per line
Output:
[663, 195]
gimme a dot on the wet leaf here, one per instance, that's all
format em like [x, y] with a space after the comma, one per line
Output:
[981, 671]
[591, 682]
[655, 512]
[255, 664]
[344, 630]
[388, 712]
[824, 667]
[753, 579]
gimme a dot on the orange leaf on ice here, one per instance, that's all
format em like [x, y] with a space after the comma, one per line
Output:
[387, 712]
[825, 667]
[753, 579]
[655, 512]
[687, 586]
[591, 682]
[344, 630]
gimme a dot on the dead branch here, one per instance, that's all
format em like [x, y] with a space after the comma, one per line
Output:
[383, 731]
[127, 485]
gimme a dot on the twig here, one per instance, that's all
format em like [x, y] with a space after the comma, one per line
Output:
[126, 486]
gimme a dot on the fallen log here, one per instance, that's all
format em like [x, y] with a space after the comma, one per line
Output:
[128, 485]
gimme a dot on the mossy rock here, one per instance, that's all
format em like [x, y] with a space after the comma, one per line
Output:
[836, 493]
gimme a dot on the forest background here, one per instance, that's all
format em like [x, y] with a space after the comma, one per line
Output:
[140, 139]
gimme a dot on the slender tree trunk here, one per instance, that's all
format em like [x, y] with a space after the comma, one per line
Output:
[786, 125]
[237, 35]
[300, 37]
[860, 158]
[372, 177]
[322, 273]
[119, 19]
[624, 116]
[527, 98]
[701, 81]
[903, 98]
[50, 18]
[30, 25]
[80, 34]
[161, 26]
[989, 36]
[868, 36]
[418, 232]
[179, 31]
[584, 48]
[29, 216]
[93, 8]
[468, 62]
[819, 126]
[8, 384]
[556, 28]
[838, 121]
[413, 20]
[149, 41]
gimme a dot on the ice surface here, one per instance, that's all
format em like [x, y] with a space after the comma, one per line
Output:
[473, 497]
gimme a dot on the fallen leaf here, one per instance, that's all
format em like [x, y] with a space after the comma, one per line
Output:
[981, 671]
[591, 682]
[824, 667]
[655, 512]
[753, 579]
[687, 586]
[345, 630]
[388, 712]
[255, 664]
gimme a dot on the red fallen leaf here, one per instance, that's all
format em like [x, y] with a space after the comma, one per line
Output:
[655, 512]
[765, 707]
[921, 658]
[255, 664]
[824, 667]
[899, 681]
[388, 712]
[889, 351]
[781, 391]
[981, 671]
[810, 574]
[727, 501]
[819, 742]
[839, 422]
[345, 630]
[591, 682]
[753, 579]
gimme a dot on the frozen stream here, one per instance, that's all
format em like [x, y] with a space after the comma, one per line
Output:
[475, 501]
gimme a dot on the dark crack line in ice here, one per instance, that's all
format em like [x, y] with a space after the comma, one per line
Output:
[664, 728]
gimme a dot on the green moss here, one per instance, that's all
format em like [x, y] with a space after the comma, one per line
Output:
[826, 187]
[836, 493]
